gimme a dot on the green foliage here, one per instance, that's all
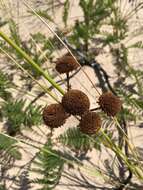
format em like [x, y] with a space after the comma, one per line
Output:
[133, 105]
[30, 47]
[13, 112]
[45, 15]
[121, 60]
[50, 166]
[9, 147]
[14, 32]
[95, 14]
[77, 141]
[17, 115]
[66, 12]
[5, 84]
[32, 116]
[45, 44]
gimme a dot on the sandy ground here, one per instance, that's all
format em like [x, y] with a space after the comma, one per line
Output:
[27, 26]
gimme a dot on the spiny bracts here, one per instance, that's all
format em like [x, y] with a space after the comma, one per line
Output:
[54, 115]
[75, 102]
[110, 103]
[90, 123]
[66, 64]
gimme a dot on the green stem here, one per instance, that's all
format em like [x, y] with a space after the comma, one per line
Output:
[30, 61]
[119, 152]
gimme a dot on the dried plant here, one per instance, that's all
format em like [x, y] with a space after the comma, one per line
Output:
[103, 29]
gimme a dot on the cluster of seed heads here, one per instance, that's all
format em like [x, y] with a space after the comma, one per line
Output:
[75, 102]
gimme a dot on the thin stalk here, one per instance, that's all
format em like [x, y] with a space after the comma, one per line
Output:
[41, 86]
[119, 152]
[68, 82]
[126, 139]
[31, 62]
[95, 109]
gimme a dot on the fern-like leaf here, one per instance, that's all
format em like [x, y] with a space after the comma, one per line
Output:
[14, 32]
[9, 147]
[76, 140]
[45, 15]
[5, 84]
[66, 11]
[50, 166]
[14, 114]
[32, 115]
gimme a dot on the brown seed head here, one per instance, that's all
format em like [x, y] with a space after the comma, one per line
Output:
[54, 115]
[110, 103]
[75, 102]
[66, 64]
[90, 123]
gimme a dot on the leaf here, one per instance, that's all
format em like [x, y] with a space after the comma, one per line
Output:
[45, 15]
[66, 11]
[12, 110]
[50, 166]
[9, 146]
[32, 115]
[5, 84]
[137, 45]
[17, 115]
[38, 37]
[14, 32]
[76, 140]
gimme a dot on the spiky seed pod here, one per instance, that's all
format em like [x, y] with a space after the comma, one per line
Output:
[54, 115]
[90, 123]
[66, 64]
[75, 102]
[110, 103]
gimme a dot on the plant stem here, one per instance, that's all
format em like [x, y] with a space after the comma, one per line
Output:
[31, 62]
[94, 109]
[68, 82]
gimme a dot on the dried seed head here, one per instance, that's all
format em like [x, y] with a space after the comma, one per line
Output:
[110, 103]
[66, 64]
[75, 102]
[90, 123]
[54, 115]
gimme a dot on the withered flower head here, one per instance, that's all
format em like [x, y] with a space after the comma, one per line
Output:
[110, 103]
[75, 102]
[54, 115]
[66, 64]
[90, 123]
